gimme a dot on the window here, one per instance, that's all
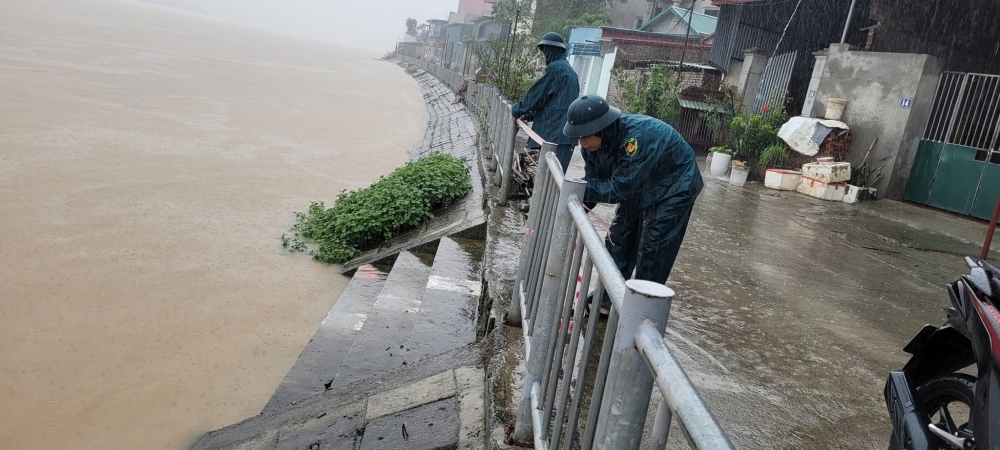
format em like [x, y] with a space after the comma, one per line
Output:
[712, 12]
[638, 22]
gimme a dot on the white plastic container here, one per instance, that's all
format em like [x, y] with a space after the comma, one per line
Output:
[720, 164]
[835, 108]
[782, 180]
[812, 187]
[852, 193]
[738, 177]
[828, 173]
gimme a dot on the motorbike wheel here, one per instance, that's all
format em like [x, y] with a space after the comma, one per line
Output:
[948, 400]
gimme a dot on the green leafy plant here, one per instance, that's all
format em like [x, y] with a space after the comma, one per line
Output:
[754, 132]
[865, 176]
[565, 24]
[366, 217]
[718, 116]
[656, 96]
[721, 149]
[774, 155]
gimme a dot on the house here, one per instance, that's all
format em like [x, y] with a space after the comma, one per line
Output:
[457, 36]
[633, 14]
[920, 80]
[458, 32]
[484, 30]
[594, 52]
[638, 45]
[434, 39]
[412, 49]
[469, 10]
[748, 33]
[683, 24]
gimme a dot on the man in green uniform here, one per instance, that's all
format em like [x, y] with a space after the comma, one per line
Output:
[645, 167]
[546, 102]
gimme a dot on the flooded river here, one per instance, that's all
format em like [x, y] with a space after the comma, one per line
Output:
[149, 162]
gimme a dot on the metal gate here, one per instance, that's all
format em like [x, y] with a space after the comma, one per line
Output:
[957, 165]
[774, 81]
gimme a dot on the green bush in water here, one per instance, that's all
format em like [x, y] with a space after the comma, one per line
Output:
[395, 203]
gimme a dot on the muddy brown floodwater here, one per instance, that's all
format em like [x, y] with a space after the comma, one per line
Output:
[149, 162]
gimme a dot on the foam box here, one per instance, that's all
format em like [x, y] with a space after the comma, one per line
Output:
[782, 180]
[812, 187]
[828, 173]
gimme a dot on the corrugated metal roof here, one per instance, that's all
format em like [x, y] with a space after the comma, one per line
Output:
[701, 24]
[701, 106]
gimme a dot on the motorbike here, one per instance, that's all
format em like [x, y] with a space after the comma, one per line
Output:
[932, 402]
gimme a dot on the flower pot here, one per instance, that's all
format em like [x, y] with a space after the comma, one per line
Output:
[867, 195]
[835, 108]
[720, 164]
[738, 177]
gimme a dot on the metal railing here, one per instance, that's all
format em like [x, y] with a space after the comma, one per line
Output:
[560, 252]
[495, 116]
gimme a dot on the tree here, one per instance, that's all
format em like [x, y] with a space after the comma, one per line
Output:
[411, 27]
[563, 25]
[652, 94]
[509, 60]
[554, 15]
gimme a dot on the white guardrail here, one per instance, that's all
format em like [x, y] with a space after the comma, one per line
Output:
[560, 252]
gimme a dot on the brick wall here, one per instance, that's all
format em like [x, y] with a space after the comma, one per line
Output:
[645, 51]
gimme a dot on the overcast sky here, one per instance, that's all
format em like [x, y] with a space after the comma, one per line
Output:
[371, 24]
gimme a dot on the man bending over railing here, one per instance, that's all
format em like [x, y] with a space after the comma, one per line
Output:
[645, 167]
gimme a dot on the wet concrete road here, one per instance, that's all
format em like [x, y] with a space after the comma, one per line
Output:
[790, 311]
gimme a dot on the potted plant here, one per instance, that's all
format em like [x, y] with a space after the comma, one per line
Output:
[721, 157]
[863, 178]
[860, 188]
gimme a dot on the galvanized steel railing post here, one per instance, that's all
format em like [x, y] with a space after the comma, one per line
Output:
[661, 426]
[630, 382]
[509, 134]
[529, 247]
[495, 115]
[548, 304]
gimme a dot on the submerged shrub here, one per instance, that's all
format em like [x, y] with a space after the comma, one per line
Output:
[395, 203]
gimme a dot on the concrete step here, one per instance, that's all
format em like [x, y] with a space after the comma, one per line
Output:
[447, 315]
[381, 343]
[333, 415]
[321, 358]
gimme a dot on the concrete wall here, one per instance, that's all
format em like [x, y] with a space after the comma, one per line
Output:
[874, 85]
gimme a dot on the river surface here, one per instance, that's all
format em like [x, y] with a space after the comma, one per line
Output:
[149, 162]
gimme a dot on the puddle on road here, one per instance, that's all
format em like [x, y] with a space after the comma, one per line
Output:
[149, 162]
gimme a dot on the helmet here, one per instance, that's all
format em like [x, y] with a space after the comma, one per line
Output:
[554, 40]
[588, 115]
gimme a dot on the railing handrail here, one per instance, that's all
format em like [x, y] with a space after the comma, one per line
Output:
[531, 133]
[558, 233]
[640, 325]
